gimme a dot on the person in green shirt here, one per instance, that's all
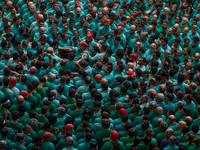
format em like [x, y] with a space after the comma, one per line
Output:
[180, 127]
[78, 111]
[37, 143]
[196, 146]
[104, 135]
[4, 112]
[18, 145]
[160, 136]
[113, 139]
[47, 145]
[4, 134]
[130, 138]
[31, 99]
[41, 118]
[172, 143]
[17, 127]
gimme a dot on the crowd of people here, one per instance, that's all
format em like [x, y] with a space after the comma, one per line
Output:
[99, 75]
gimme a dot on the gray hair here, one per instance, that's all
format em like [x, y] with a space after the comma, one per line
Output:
[154, 45]
[159, 110]
[194, 26]
[26, 129]
[158, 42]
[66, 6]
[145, 98]
[190, 64]
[32, 122]
[61, 110]
[173, 140]
[86, 24]
[154, 104]
[180, 104]
[50, 50]
[70, 140]
[161, 97]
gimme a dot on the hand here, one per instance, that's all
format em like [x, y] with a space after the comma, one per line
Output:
[183, 66]
[10, 49]
[175, 84]
[49, 55]
[6, 112]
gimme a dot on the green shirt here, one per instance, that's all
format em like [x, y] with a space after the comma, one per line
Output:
[108, 145]
[32, 101]
[17, 127]
[47, 145]
[102, 137]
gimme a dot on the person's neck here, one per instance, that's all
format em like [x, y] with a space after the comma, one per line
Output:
[43, 115]
[40, 85]
[78, 108]
[30, 93]
[106, 129]
[123, 123]
[169, 102]
[71, 97]
[13, 121]
[19, 104]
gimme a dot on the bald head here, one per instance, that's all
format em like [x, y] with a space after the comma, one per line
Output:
[172, 118]
[52, 77]
[30, 3]
[169, 132]
[104, 81]
[144, 34]
[181, 125]
[40, 16]
[42, 28]
[54, 92]
[20, 98]
[3, 144]
[130, 65]
[196, 55]
[133, 27]
[150, 29]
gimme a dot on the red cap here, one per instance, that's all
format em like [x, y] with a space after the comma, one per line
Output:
[134, 56]
[90, 5]
[77, 5]
[84, 44]
[13, 82]
[98, 77]
[23, 93]
[122, 111]
[133, 14]
[89, 36]
[32, 70]
[46, 135]
[121, 24]
[114, 135]
[107, 21]
[146, 17]
[153, 93]
[105, 3]
[68, 127]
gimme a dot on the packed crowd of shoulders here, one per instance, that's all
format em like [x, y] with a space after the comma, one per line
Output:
[95, 74]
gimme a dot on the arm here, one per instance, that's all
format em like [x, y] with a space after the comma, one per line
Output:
[50, 61]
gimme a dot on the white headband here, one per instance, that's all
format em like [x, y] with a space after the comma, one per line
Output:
[8, 101]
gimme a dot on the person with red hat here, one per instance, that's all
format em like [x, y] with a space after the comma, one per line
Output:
[90, 41]
[31, 75]
[47, 145]
[113, 138]
[106, 29]
[13, 82]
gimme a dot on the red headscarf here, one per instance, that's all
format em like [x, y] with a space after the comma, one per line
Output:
[84, 44]
[114, 135]
[122, 112]
[153, 93]
[89, 36]
[68, 127]
[46, 136]
[134, 56]
[121, 24]
[13, 82]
